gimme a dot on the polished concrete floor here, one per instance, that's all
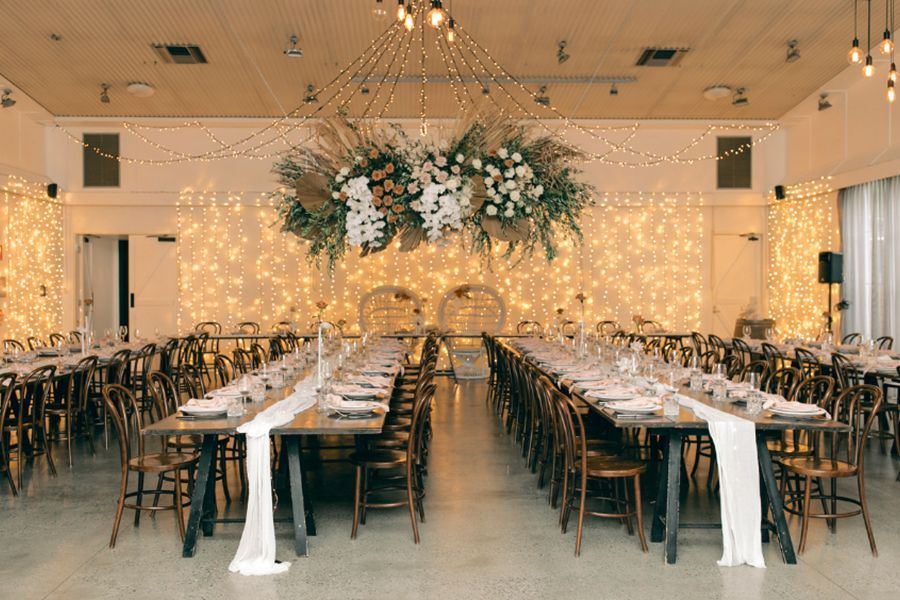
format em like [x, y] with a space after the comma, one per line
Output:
[489, 534]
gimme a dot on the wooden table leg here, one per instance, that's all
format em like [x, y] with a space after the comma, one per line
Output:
[292, 443]
[658, 525]
[673, 493]
[775, 505]
[201, 488]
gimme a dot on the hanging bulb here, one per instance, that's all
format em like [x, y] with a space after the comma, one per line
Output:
[893, 74]
[378, 11]
[401, 11]
[451, 31]
[887, 44]
[436, 14]
[855, 56]
[408, 21]
[869, 69]
[891, 93]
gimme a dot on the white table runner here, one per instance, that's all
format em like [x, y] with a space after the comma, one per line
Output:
[256, 552]
[738, 465]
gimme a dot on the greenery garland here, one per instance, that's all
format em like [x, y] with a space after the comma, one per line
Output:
[364, 189]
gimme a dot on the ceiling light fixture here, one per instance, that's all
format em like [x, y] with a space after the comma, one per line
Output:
[869, 69]
[891, 92]
[139, 89]
[561, 54]
[716, 92]
[855, 55]
[613, 90]
[378, 11]
[485, 91]
[408, 19]
[739, 98]
[311, 96]
[104, 93]
[436, 14]
[824, 104]
[401, 11]
[887, 44]
[55, 37]
[542, 98]
[451, 30]
[793, 54]
[293, 51]
[6, 101]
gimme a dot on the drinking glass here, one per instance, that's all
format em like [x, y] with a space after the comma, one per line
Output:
[244, 386]
[754, 381]
[670, 405]
[720, 371]
[696, 380]
[754, 403]
[747, 330]
[257, 390]
[719, 389]
[235, 407]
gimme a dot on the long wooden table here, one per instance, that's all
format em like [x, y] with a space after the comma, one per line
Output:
[666, 517]
[309, 422]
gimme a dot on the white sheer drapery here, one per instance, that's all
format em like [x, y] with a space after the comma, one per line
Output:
[870, 230]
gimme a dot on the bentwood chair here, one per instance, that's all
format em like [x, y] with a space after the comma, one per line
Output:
[243, 360]
[11, 345]
[126, 417]
[852, 338]
[225, 370]
[529, 328]
[26, 419]
[35, 343]
[773, 356]
[605, 476]
[885, 342]
[7, 391]
[807, 362]
[760, 367]
[72, 408]
[248, 327]
[742, 350]
[56, 339]
[607, 327]
[842, 458]
[783, 381]
[718, 344]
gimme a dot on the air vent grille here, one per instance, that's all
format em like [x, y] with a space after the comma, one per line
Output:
[661, 57]
[180, 54]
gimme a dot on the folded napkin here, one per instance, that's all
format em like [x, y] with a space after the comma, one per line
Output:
[612, 392]
[344, 404]
[357, 390]
[207, 403]
[584, 376]
[636, 403]
[795, 407]
[598, 384]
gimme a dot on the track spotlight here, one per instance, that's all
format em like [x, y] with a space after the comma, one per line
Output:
[793, 54]
[104, 93]
[739, 98]
[293, 51]
[6, 101]
[561, 54]
[824, 103]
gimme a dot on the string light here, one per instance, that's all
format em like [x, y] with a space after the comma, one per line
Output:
[799, 227]
[33, 270]
[642, 253]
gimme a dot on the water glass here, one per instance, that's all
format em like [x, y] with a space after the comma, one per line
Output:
[696, 381]
[257, 391]
[754, 381]
[720, 371]
[235, 407]
[719, 389]
[754, 403]
[277, 379]
[670, 405]
[244, 386]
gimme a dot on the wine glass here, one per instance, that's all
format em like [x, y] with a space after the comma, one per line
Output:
[123, 332]
[747, 330]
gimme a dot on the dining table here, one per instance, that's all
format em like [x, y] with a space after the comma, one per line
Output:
[311, 422]
[673, 431]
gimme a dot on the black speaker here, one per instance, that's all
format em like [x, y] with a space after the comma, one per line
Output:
[779, 192]
[831, 267]
[52, 190]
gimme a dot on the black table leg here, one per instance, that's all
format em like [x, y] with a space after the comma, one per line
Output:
[292, 443]
[673, 494]
[763, 510]
[209, 499]
[658, 525]
[198, 500]
[768, 477]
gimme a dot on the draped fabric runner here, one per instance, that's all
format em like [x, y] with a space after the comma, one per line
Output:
[256, 552]
[735, 442]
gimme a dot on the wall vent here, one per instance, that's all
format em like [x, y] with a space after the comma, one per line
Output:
[180, 54]
[100, 167]
[661, 57]
[734, 169]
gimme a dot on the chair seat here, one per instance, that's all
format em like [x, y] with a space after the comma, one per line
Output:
[613, 466]
[379, 458]
[819, 467]
[162, 461]
[787, 448]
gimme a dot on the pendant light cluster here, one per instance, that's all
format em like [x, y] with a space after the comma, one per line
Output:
[855, 56]
[436, 17]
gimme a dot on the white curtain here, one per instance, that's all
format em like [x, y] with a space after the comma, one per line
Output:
[870, 229]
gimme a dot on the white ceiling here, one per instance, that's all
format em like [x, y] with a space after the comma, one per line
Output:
[740, 43]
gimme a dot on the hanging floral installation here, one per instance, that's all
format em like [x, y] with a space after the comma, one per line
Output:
[490, 183]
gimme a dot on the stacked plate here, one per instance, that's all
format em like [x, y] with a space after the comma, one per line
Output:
[797, 410]
[639, 406]
[614, 393]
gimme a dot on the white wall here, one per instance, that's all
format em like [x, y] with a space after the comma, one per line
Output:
[145, 202]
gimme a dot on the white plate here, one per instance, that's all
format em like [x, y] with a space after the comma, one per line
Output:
[634, 410]
[614, 397]
[796, 415]
[203, 411]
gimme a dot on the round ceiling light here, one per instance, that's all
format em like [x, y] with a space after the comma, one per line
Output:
[139, 89]
[717, 92]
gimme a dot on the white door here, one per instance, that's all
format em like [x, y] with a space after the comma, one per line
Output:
[737, 278]
[152, 284]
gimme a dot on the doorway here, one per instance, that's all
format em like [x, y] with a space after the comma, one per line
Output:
[131, 281]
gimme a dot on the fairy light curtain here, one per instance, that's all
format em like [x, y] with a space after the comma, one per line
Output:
[31, 260]
[642, 254]
[800, 227]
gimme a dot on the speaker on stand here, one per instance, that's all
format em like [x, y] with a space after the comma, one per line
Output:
[831, 271]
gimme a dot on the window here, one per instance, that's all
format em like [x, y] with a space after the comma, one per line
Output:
[733, 169]
[99, 169]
